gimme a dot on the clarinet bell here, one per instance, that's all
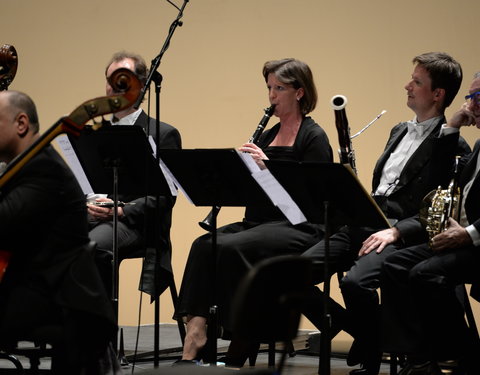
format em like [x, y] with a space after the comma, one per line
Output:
[207, 223]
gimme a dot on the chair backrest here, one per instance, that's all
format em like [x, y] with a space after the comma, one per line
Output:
[267, 305]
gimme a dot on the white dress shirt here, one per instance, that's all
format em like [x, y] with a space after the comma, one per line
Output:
[127, 120]
[417, 133]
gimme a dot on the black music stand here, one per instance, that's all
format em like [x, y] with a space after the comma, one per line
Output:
[211, 178]
[119, 158]
[331, 194]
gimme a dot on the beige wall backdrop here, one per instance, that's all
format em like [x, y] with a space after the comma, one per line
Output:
[213, 91]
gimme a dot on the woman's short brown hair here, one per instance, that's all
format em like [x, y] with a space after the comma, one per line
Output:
[298, 74]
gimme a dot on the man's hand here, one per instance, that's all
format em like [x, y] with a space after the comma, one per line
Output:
[100, 213]
[463, 117]
[454, 237]
[379, 240]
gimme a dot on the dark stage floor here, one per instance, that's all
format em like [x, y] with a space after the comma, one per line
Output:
[170, 350]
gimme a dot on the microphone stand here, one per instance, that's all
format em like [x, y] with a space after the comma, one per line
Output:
[156, 61]
[156, 77]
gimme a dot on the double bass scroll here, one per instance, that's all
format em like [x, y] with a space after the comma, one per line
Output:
[8, 65]
[122, 80]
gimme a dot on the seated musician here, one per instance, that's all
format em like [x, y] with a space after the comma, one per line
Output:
[405, 172]
[422, 316]
[264, 232]
[50, 280]
[137, 218]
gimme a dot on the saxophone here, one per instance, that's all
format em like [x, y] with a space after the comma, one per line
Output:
[441, 204]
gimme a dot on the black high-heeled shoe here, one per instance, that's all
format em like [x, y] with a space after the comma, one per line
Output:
[239, 351]
[196, 361]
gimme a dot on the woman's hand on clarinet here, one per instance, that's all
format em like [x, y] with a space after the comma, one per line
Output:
[100, 213]
[256, 152]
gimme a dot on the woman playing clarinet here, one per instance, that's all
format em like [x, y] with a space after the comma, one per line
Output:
[264, 232]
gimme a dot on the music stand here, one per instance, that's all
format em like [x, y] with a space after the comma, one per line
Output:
[331, 194]
[119, 158]
[213, 177]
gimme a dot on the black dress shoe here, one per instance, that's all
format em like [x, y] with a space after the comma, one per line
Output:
[359, 371]
[356, 354]
[426, 368]
[363, 371]
[369, 361]
[185, 362]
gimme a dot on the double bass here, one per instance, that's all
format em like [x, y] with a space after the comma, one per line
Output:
[127, 88]
[8, 69]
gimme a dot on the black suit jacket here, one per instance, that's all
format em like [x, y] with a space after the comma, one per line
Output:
[472, 202]
[142, 216]
[43, 221]
[425, 170]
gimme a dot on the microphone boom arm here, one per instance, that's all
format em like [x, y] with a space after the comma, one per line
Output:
[156, 61]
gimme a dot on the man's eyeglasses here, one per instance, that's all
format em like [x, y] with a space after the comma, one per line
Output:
[475, 97]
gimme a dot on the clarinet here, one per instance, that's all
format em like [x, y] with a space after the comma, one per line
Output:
[207, 222]
[345, 153]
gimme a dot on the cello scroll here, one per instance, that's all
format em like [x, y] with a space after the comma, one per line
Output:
[8, 65]
[129, 89]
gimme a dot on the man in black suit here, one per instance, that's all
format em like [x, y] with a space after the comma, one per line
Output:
[138, 216]
[407, 170]
[51, 279]
[422, 315]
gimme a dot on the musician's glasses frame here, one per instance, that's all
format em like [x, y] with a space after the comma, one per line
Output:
[475, 97]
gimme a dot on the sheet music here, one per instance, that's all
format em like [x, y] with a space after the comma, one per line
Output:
[72, 160]
[171, 180]
[274, 190]
[249, 162]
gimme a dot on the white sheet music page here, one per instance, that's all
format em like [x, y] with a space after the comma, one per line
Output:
[274, 190]
[72, 160]
[171, 180]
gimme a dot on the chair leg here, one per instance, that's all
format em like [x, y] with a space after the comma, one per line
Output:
[121, 351]
[14, 360]
[271, 354]
[252, 359]
[463, 295]
[283, 358]
[393, 364]
[181, 326]
[290, 349]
